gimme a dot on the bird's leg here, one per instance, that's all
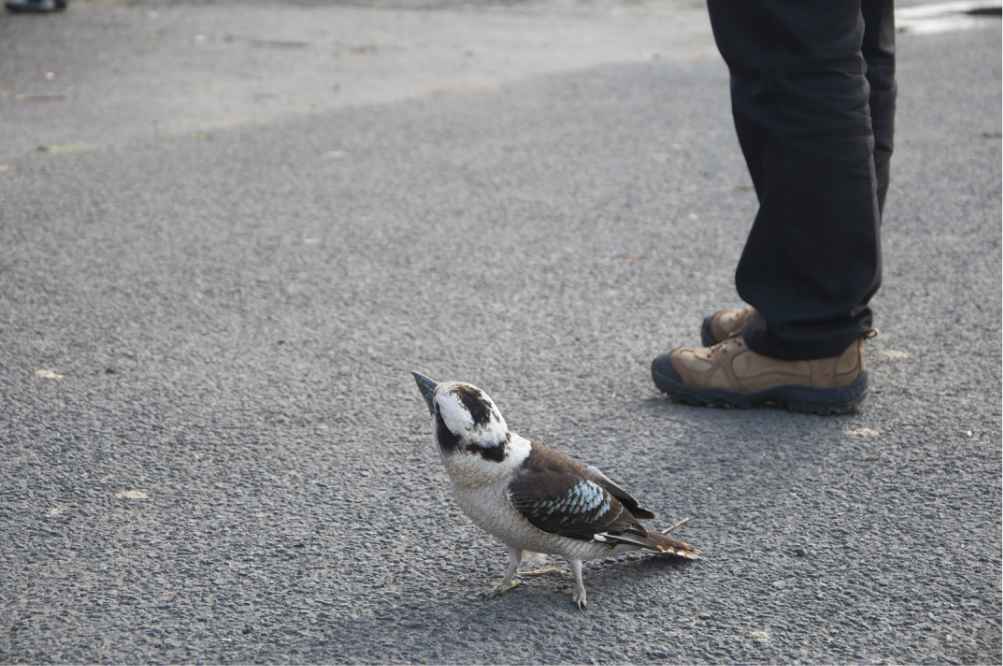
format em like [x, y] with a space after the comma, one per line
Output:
[578, 596]
[509, 581]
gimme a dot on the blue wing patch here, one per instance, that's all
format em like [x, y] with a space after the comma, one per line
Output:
[585, 498]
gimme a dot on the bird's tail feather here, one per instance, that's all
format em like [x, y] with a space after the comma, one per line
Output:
[655, 541]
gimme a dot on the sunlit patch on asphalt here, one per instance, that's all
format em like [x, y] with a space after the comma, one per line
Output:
[948, 17]
[131, 494]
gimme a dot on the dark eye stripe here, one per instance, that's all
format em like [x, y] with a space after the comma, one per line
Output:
[475, 402]
[492, 453]
[447, 440]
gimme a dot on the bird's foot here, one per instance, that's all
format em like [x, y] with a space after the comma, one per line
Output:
[501, 588]
[578, 596]
[543, 571]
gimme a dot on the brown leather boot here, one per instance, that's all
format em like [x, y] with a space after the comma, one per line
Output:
[729, 373]
[724, 324]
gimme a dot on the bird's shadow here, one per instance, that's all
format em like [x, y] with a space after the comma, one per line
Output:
[600, 577]
[637, 567]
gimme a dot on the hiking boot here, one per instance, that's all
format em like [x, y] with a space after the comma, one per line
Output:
[724, 324]
[729, 373]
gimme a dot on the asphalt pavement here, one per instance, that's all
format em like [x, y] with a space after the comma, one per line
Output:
[229, 231]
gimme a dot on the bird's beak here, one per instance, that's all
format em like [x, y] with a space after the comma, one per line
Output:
[427, 388]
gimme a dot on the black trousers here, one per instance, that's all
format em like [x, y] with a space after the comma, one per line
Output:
[813, 96]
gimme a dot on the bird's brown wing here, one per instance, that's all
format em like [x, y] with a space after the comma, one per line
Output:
[560, 496]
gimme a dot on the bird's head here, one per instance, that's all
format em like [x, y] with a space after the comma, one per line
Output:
[465, 419]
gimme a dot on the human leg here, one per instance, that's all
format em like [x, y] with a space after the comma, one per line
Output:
[878, 49]
[803, 77]
[800, 101]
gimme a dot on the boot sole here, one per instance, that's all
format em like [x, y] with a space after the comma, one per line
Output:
[795, 397]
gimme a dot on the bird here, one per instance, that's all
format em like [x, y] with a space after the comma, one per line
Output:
[535, 499]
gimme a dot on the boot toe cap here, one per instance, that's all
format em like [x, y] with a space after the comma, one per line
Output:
[662, 371]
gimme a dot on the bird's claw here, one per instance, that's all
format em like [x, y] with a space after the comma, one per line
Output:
[578, 596]
[501, 589]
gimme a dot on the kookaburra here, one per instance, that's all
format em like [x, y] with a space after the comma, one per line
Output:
[533, 498]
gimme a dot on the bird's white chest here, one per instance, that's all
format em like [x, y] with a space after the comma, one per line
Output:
[489, 507]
